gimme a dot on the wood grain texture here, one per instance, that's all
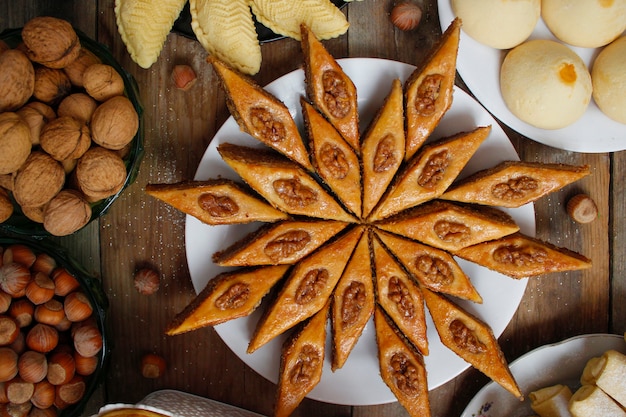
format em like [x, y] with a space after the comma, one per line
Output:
[139, 230]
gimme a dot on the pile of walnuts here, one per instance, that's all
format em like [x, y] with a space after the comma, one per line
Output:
[65, 127]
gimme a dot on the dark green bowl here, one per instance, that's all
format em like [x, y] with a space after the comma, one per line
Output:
[92, 287]
[19, 223]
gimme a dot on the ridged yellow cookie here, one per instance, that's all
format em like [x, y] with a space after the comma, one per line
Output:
[144, 26]
[225, 28]
[285, 17]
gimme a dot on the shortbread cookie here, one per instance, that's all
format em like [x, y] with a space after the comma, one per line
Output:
[144, 26]
[225, 28]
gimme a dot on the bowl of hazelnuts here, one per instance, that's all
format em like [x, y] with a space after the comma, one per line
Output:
[70, 129]
[53, 341]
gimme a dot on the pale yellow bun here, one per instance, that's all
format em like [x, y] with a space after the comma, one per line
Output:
[585, 23]
[545, 84]
[608, 76]
[500, 24]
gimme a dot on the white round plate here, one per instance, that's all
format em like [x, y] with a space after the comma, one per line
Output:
[559, 363]
[479, 66]
[358, 382]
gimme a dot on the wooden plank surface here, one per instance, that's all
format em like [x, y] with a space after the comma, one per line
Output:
[179, 125]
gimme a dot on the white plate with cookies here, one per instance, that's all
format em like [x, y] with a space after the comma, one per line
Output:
[479, 67]
[559, 363]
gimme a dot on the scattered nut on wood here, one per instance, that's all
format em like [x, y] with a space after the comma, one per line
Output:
[147, 281]
[582, 209]
[152, 366]
[184, 77]
[406, 15]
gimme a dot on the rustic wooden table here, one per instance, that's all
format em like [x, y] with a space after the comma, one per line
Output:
[179, 125]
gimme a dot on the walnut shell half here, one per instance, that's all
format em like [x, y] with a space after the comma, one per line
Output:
[50, 41]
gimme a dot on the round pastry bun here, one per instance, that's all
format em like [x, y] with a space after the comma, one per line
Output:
[608, 76]
[585, 23]
[545, 84]
[500, 24]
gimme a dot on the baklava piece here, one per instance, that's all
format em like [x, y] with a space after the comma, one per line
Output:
[382, 148]
[471, 339]
[428, 91]
[283, 183]
[334, 160]
[450, 226]
[514, 183]
[301, 363]
[401, 367]
[282, 243]
[261, 114]
[216, 201]
[228, 296]
[400, 297]
[353, 303]
[330, 88]
[520, 256]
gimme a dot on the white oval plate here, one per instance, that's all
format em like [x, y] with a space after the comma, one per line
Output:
[479, 66]
[559, 363]
[358, 382]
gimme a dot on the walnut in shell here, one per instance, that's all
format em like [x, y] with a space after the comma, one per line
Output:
[39, 179]
[15, 142]
[36, 114]
[77, 68]
[51, 85]
[6, 206]
[114, 123]
[17, 80]
[7, 180]
[103, 82]
[50, 41]
[34, 214]
[65, 138]
[80, 106]
[66, 213]
[100, 173]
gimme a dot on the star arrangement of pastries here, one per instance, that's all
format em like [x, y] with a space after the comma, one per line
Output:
[363, 224]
